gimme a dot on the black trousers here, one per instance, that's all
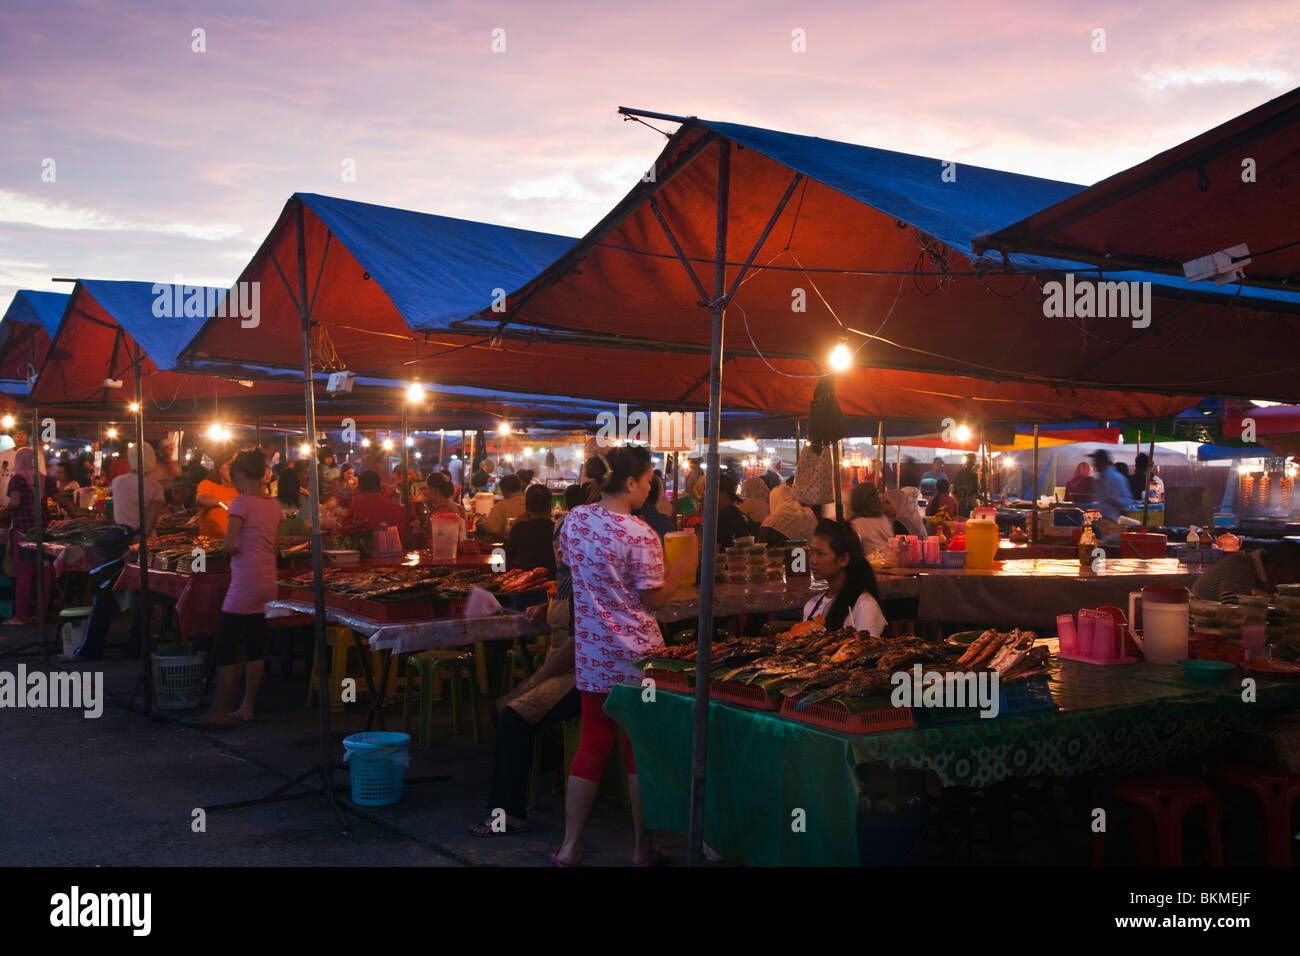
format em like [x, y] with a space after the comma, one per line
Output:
[514, 753]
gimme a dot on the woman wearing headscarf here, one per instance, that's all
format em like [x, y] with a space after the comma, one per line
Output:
[869, 519]
[22, 517]
[1079, 488]
[756, 504]
[788, 520]
[901, 506]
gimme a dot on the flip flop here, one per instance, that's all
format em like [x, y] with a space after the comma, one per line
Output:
[555, 859]
[662, 858]
[509, 830]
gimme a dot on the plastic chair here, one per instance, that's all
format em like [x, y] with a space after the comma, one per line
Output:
[339, 640]
[429, 668]
[1278, 793]
[1165, 799]
[519, 666]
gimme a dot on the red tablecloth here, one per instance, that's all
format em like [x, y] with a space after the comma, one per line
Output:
[198, 596]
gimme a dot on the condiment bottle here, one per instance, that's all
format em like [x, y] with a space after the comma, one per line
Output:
[1087, 542]
[1193, 539]
[1206, 541]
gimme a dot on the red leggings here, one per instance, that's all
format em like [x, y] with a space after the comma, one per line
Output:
[597, 740]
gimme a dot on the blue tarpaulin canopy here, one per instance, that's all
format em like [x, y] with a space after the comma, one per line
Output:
[25, 332]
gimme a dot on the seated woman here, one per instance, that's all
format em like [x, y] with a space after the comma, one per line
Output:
[529, 542]
[942, 501]
[901, 507]
[852, 598]
[788, 520]
[869, 520]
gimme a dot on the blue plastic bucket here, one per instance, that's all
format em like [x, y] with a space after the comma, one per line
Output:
[377, 762]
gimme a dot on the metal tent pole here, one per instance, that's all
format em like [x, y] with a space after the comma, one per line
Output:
[1033, 534]
[325, 768]
[837, 468]
[38, 497]
[1151, 467]
[709, 544]
[143, 616]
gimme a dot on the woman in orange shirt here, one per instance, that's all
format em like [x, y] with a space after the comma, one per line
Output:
[213, 499]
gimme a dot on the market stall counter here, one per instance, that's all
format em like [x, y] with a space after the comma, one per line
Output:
[1032, 592]
[762, 766]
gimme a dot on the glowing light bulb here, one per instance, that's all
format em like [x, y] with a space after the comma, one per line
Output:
[841, 357]
[963, 433]
[7, 421]
[415, 394]
[133, 407]
[112, 433]
[388, 444]
[409, 441]
[418, 456]
[504, 429]
[129, 444]
[365, 443]
[304, 449]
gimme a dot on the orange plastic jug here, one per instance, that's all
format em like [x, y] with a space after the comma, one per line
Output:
[981, 543]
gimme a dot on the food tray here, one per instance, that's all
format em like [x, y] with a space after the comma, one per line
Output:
[746, 695]
[833, 715]
[669, 680]
[1092, 660]
[388, 611]
[1032, 696]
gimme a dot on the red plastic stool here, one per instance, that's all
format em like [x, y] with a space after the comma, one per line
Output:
[1278, 792]
[1166, 798]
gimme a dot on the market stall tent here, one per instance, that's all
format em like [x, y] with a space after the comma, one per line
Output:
[828, 240]
[1233, 184]
[26, 329]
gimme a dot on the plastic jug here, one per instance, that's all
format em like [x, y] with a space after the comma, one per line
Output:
[682, 545]
[444, 536]
[483, 502]
[981, 543]
[985, 512]
[1163, 638]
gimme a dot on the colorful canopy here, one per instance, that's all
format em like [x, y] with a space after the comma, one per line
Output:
[1231, 185]
[25, 332]
[876, 245]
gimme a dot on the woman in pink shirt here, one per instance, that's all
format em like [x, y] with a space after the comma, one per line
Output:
[250, 542]
[617, 564]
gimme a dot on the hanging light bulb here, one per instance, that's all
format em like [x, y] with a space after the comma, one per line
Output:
[415, 394]
[112, 433]
[7, 421]
[841, 357]
[133, 407]
[388, 444]
[304, 449]
[963, 433]
[504, 429]
[409, 441]
[365, 443]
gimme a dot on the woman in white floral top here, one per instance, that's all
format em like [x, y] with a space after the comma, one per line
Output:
[617, 565]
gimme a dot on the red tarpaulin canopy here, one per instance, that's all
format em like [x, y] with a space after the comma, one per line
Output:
[1235, 184]
[360, 326]
[883, 252]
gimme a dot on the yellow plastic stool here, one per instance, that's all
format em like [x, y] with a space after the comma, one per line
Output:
[339, 640]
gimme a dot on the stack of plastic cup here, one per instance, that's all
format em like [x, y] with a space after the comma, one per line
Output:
[1252, 641]
[1087, 630]
[1067, 636]
[934, 557]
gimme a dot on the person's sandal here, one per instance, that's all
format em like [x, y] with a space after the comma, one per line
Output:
[485, 830]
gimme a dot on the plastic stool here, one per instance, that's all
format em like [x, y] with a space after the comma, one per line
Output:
[515, 673]
[1278, 793]
[1166, 798]
[339, 640]
[424, 669]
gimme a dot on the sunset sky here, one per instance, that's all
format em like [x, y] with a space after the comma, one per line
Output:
[172, 162]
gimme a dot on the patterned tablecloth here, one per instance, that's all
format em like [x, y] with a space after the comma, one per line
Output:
[763, 766]
[198, 597]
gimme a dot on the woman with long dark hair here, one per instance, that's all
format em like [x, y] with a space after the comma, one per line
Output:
[852, 598]
[617, 564]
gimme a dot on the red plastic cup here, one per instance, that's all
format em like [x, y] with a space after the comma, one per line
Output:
[1087, 630]
[1252, 640]
[1067, 636]
[1103, 641]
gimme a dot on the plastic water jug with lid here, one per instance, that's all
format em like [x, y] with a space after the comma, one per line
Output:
[1163, 638]
[981, 540]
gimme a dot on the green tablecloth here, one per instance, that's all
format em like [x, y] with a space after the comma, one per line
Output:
[763, 768]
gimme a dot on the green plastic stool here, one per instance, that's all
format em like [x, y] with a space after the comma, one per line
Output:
[424, 670]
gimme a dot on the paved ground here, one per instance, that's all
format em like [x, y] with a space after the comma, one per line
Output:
[120, 789]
